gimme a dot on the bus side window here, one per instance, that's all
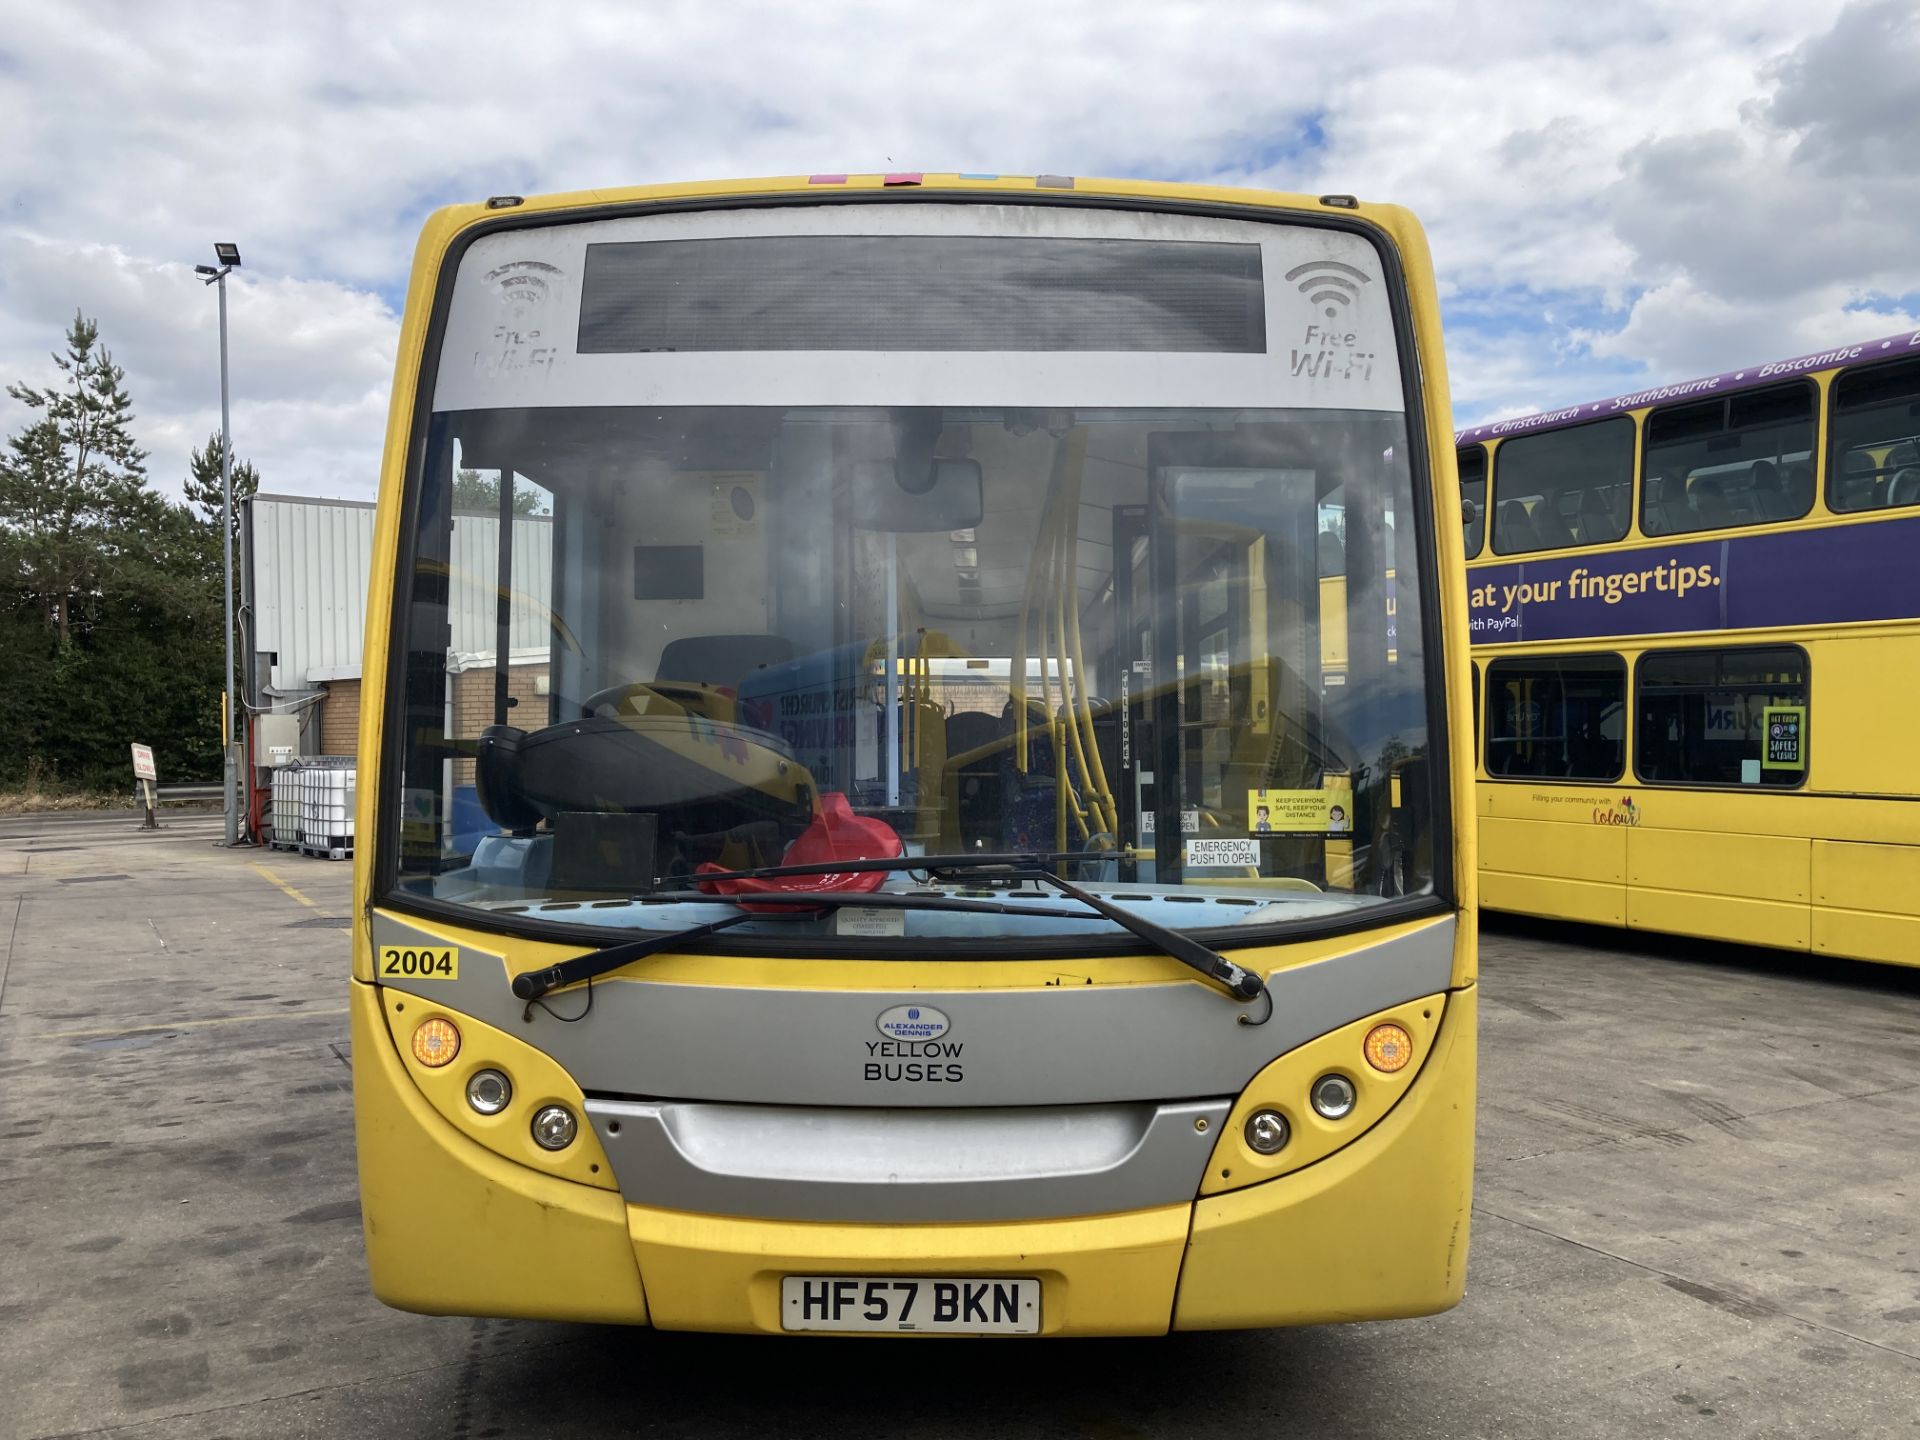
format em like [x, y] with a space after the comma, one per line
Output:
[1555, 471]
[1703, 720]
[1733, 451]
[1557, 718]
[1874, 456]
[1473, 491]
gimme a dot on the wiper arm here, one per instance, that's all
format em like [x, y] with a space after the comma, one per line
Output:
[1236, 981]
[1239, 982]
[532, 984]
[870, 900]
[966, 860]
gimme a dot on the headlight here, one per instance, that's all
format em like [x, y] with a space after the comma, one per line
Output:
[488, 1091]
[1267, 1132]
[1332, 1097]
[554, 1127]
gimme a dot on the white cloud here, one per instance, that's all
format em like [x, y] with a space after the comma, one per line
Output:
[1793, 231]
[311, 361]
[1630, 188]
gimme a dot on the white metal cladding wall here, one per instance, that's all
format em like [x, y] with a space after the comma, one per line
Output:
[311, 560]
[476, 570]
[311, 563]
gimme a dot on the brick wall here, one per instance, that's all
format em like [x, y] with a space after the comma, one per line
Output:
[472, 710]
[340, 718]
[473, 706]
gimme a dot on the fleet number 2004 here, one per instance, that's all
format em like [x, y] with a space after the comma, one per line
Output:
[420, 962]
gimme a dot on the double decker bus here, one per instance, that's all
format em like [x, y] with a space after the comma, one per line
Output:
[855, 830]
[1696, 649]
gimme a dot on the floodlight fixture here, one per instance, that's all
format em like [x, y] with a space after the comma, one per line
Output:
[226, 253]
[206, 270]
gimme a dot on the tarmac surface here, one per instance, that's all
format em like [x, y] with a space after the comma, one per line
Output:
[1696, 1211]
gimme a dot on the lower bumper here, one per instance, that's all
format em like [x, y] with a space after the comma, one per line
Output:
[1376, 1230]
[1108, 1275]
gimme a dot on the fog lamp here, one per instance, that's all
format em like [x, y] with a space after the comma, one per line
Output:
[488, 1091]
[1332, 1097]
[1389, 1048]
[435, 1042]
[554, 1127]
[1267, 1132]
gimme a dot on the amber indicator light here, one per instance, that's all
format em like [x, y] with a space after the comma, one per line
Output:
[1389, 1048]
[435, 1043]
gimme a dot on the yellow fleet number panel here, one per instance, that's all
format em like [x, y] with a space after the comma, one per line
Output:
[420, 962]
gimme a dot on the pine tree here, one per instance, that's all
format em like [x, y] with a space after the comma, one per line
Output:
[110, 619]
[203, 489]
[73, 481]
[203, 506]
[479, 490]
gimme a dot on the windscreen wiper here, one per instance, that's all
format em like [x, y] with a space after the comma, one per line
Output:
[869, 900]
[532, 984]
[1236, 981]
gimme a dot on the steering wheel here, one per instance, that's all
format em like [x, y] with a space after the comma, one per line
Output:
[688, 694]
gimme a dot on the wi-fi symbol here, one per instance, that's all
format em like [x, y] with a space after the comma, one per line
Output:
[523, 284]
[1329, 283]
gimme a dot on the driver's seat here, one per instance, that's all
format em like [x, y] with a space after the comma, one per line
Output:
[723, 660]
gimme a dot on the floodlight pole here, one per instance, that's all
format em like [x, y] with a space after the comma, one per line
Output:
[229, 257]
[231, 768]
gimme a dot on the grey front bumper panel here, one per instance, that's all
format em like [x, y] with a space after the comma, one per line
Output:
[871, 1164]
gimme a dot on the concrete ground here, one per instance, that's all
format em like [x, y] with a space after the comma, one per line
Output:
[1699, 1173]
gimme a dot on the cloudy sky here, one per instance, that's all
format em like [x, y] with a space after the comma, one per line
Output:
[1616, 195]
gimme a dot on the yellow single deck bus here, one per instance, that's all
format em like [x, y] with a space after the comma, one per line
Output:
[856, 835]
[1696, 630]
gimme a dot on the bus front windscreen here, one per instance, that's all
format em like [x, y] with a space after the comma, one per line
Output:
[925, 539]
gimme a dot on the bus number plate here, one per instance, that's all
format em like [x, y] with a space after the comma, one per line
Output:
[419, 962]
[936, 1304]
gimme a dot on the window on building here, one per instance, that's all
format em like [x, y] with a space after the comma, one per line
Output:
[1735, 460]
[1875, 459]
[1723, 717]
[1564, 487]
[1473, 496]
[1557, 717]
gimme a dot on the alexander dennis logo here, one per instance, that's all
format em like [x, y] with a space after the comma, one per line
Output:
[912, 1022]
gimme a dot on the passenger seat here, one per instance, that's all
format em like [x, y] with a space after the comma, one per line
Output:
[1903, 462]
[1799, 489]
[1856, 488]
[1513, 530]
[1769, 492]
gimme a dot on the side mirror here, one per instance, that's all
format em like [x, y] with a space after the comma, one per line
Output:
[917, 497]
